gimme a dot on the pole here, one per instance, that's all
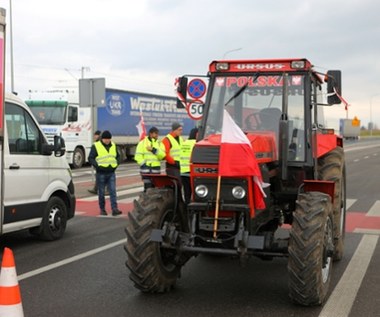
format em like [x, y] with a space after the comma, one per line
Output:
[217, 207]
[11, 46]
[370, 113]
[2, 110]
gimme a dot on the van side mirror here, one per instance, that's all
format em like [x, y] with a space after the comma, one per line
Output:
[59, 146]
[334, 84]
[182, 91]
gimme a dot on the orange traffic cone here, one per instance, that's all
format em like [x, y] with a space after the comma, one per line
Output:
[10, 297]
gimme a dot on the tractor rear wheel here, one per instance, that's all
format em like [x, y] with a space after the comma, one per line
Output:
[331, 167]
[153, 269]
[310, 249]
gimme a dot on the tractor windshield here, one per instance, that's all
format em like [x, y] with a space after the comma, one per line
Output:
[255, 103]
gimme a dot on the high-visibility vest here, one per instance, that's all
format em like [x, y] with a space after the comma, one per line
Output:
[175, 150]
[143, 156]
[186, 149]
[106, 158]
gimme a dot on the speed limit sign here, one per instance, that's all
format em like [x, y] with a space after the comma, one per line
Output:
[195, 110]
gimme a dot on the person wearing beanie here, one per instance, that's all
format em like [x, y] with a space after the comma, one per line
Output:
[105, 158]
[148, 156]
[171, 145]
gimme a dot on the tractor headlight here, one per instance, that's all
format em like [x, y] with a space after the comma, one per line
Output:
[201, 191]
[238, 192]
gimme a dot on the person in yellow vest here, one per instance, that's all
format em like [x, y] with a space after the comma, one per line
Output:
[171, 145]
[186, 150]
[105, 158]
[148, 156]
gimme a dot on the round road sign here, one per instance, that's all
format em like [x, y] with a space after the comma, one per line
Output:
[195, 110]
[196, 88]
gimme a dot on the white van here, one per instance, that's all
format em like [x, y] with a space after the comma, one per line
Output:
[37, 186]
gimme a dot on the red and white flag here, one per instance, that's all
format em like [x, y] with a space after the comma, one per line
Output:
[237, 157]
[141, 127]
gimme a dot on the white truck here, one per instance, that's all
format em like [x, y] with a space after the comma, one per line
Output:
[58, 113]
[37, 184]
[349, 128]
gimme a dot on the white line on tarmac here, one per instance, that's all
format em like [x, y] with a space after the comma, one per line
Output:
[350, 202]
[342, 298]
[70, 260]
[375, 210]
[119, 193]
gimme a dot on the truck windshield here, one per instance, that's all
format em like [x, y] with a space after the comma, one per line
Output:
[49, 115]
[255, 102]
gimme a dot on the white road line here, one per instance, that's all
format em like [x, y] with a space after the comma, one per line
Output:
[70, 260]
[91, 180]
[119, 193]
[350, 202]
[374, 210]
[342, 298]
[367, 231]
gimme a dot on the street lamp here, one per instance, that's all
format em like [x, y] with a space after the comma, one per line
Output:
[370, 113]
[230, 51]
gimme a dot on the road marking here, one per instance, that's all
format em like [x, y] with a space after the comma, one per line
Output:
[374, 210]
[342, 298]
[119, 193]
[350, 202]
[70, 260]
[367, 231]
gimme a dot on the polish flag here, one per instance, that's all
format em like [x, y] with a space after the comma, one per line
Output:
[237, 157]
[141, 127]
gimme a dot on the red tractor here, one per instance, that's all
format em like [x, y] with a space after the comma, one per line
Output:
[279, 106]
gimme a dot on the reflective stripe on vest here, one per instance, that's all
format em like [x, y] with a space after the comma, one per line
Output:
[186, 149]
[106, 158]
[175, 150]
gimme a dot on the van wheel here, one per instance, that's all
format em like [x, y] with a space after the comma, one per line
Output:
[54, 221]
[78, 158]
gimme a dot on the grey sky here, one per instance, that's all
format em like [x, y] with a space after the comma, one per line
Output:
[143, 45]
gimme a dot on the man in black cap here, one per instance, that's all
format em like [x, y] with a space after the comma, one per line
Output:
[105, 158]
[96, 138]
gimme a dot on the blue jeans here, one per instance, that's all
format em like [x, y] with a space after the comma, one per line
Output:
[102, 180]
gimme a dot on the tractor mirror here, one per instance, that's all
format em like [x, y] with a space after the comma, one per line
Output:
[334, 87]
[181, 92]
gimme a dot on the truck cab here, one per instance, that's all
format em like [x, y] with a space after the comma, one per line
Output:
[58, 114]
[37, 185]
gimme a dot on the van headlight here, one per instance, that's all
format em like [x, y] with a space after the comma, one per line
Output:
[238, 192]
[201, 191]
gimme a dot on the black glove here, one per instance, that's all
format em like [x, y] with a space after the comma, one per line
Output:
[154, 150]
[177, 164]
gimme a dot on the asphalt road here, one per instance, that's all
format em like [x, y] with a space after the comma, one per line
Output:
[84, 274]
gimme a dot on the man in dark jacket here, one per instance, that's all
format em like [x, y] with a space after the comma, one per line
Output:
[105, 158]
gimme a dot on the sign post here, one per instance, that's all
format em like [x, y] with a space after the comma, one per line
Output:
[2, 97]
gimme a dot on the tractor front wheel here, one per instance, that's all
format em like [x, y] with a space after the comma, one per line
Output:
[311, 249]
[153, 269]
[331, 167]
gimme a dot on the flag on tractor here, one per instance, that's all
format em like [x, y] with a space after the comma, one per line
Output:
[237, 157]
[141, 127]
